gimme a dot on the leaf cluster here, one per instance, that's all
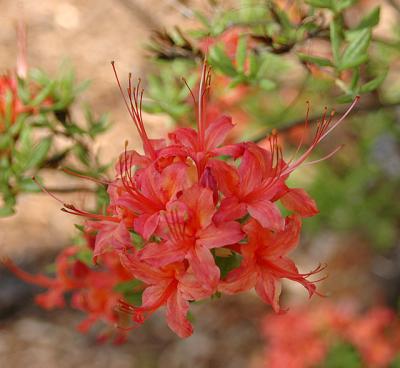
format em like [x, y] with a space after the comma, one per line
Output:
[29, 141]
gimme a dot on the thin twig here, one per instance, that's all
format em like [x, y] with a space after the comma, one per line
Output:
[71, 190]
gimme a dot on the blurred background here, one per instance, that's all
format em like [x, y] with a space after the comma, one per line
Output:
[357, 233]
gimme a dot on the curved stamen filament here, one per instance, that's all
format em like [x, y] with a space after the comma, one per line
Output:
[323, 129]
[135, 96]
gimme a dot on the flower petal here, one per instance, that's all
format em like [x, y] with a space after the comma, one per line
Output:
[176, 313]
[267, 214]
[200, 201]
[162, 254]
[230, 209]
[186, 137]
[297, 200]
[111, 235]
[251, 174]
[142, 270]
[269, 289]
[204, 267]
[281, 243]
[217, 236]
[238, 280]
[217, 131]
[150, 225]
[226, 176]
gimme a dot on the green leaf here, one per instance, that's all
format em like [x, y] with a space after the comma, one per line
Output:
[320, 61]
[6, 211]
[39, 77]
[336, 40]
[41, 96]
[8, 113]
[396, 362]
[352, 63]
[129, 289]
[241, 51]
[267, 85]
[134, 298]
[23, 91]
[371, 19]
[28, 185]
[82, 154]
[283, 17]
[320, 3]
[85, 255]
[254, 65]
[39, 153]
[355, 79]
[5, 141]
[127, 286]
[202, 18]
[340, 5]
[237, 80]
[81, 87]
[226, 264]
[342, 355]
[18, 125]
[346, 98]
[221, 60]
[356, 52]
[374, 83]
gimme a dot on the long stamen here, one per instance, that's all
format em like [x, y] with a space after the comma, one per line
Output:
[190, 90]
[342, 118]
[43, 189]
[134, 107]
[71, 209]
[305, 130]
[205, 81]
[329, 155]
[98, 181]
[323, 129]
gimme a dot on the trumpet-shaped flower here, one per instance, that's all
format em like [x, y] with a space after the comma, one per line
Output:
[265, 262]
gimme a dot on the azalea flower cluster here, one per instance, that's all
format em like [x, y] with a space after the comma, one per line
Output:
[192, 217]
[94, 291]
[307, 337]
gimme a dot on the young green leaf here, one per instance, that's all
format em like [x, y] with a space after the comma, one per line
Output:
[340, 5]
[374, 83]
[241, 51]
[371, 19]
[356, 52]
[221, 60]
[41, 96]
[321, 3]
[39, 153]
[267, 85]
[336, 40]
[6, 211]
[320, 61]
